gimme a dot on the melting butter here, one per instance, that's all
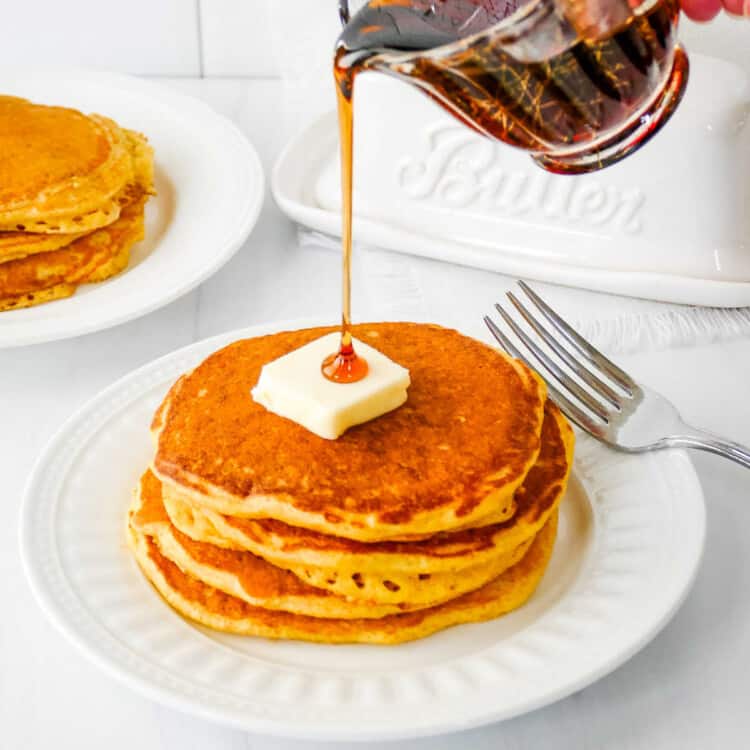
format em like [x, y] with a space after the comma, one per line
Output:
[293, 387]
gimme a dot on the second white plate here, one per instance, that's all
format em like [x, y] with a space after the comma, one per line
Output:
[210, 190]
[631, 536]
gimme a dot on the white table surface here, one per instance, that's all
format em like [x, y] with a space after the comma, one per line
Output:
[687, 689]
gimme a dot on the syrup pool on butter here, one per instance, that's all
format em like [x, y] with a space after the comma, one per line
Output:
[293, 386]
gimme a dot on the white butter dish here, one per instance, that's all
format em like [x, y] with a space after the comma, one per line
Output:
[668, 223]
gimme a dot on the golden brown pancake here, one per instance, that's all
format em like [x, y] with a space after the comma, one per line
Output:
[60, 169]
[240, 574]
[388, 588]
[38, 273]
[46, 276]
[216, 609]
[31, 299]
[142, 155]
[120, 238]
[15, 245]
[451, 457]
[116, 264]
[141, 185]
[429, 570]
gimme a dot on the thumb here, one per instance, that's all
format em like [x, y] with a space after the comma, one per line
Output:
[702, 10]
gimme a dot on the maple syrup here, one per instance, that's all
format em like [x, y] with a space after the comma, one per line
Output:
[345, 366]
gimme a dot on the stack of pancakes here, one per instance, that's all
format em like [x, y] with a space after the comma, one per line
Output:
[441, 512]
[72, 193]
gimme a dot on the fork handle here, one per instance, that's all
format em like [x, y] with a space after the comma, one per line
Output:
[705, 441]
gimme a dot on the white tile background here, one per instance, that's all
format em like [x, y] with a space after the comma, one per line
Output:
[157, 37]
[221, 38]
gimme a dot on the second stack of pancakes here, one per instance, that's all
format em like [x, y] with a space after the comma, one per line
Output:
[73, 188]
[441, 512]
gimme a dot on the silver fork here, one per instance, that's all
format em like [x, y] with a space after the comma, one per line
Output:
[605, 401]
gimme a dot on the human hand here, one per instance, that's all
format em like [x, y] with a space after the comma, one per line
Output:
[705, 10]
[596, 19]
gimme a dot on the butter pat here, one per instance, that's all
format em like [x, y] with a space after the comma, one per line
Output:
[293, 386]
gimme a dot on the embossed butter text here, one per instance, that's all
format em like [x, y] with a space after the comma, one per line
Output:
[464, 171]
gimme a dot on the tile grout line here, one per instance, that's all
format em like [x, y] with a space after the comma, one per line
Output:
[192, 77]
[199, 30]
[201, 73]
[197, 313]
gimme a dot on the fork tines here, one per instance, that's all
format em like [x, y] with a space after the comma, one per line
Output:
[592, 406]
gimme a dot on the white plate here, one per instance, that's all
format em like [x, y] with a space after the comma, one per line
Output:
[630, 540]
[428, 186]
[210, 190]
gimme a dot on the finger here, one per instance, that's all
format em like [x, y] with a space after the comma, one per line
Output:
[595, 19]
[702, 10]
[737, 7]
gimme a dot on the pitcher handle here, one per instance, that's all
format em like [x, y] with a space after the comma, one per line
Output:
[344, 12]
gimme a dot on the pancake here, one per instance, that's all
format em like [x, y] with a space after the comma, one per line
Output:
[14, 245]
[138, 188]
[60, 169]
[220, 611]
[116, 264]
[22, 281]
[241, 574]
[453, 455]
[81, 222]
[47, 276]
[429, 570]
[389, 587]
[119, 238]
[40, 297]
[142, 156]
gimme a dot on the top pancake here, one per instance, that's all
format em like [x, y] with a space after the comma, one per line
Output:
[451, 457]
[57, 163]
[288, 546]
[16, 245]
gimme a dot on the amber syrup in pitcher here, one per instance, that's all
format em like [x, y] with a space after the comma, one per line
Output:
[574, 96]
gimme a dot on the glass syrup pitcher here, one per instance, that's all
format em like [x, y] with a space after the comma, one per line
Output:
[578, 86]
